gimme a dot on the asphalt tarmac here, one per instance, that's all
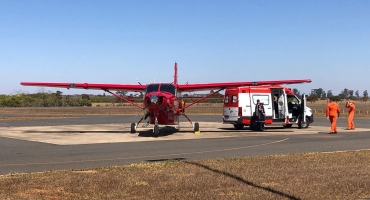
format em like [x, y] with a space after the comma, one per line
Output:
[97, 141]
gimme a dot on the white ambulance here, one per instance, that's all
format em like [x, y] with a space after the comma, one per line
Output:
[282, 107]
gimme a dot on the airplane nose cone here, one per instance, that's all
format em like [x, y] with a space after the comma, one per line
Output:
[154, 98]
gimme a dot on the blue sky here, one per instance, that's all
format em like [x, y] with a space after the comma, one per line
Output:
[211, 40]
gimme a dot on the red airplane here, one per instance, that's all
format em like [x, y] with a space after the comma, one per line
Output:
[163, 102]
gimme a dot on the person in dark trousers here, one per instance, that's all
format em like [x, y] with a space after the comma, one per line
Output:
[260, 115]
[276, 105]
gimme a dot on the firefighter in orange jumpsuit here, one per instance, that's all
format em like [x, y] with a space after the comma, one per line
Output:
[351, 113]
[332, 113]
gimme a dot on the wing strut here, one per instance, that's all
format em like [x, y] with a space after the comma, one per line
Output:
[131, 102]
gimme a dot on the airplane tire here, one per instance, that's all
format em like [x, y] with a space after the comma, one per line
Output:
[156, 131]
[196, 127]
[133, 128]
[238, 126]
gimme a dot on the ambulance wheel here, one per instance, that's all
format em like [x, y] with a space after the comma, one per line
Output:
[252, 125]
[303, 124]
[156, 131]
[133, 128]
[196, 127]
[288, 125]
[238, 126]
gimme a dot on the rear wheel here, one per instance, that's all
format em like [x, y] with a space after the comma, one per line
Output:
[133, 128]
[196, 127]
[238, 126]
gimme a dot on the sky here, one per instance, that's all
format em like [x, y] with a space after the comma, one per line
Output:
[211, 40]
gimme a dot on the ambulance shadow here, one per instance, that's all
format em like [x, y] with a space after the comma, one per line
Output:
[267, 129]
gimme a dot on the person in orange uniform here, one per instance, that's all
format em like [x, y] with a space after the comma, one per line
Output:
[351, 113]
[332, 113]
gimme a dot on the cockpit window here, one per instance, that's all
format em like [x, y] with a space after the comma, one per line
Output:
[163, 88]
[152, 88]
[168, 88]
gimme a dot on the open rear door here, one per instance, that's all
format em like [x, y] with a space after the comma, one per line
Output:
[303, 123]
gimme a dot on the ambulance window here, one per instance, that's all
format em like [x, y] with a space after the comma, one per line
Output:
[292, 99]
[265, 99]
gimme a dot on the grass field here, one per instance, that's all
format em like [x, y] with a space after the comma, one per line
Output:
[344, 175]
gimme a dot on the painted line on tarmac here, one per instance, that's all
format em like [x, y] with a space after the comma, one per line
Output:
[153, 156]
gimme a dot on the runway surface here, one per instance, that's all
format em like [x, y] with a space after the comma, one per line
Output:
[97, 141]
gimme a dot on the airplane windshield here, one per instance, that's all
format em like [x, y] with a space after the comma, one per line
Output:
[168, 88]
[163, 88]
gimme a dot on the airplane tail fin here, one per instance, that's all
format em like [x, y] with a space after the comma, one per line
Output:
[175, 75]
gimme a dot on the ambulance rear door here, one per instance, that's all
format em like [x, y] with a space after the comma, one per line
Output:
[245, 102]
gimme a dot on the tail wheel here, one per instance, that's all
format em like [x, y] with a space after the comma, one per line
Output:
[156, 131]
[196, 127]
[133, 128]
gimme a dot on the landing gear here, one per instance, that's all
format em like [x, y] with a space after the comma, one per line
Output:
[196, 128]
[156, 130]
[133, 128]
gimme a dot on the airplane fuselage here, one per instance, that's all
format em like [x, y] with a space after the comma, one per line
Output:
[162, 103]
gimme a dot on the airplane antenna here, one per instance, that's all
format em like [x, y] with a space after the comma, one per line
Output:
[140, 84]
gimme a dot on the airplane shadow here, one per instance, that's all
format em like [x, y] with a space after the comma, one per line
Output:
[240, 179]
[163, 131]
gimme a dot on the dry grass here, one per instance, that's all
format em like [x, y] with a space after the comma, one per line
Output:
[344, 175]
[362, 110]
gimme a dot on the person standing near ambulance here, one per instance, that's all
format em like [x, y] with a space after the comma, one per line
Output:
[351, 113]
[332, 113]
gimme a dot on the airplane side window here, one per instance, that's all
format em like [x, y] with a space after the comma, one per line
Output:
[152, 88]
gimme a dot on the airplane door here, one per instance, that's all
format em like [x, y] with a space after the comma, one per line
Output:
[285, 105]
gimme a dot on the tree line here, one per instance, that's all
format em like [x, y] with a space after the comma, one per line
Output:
[345, 94]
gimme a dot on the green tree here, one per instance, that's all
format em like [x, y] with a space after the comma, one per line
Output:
[345, 93]
[312, 98]
[329, 94]
[350, 94]
[365, 96]
[357, 94]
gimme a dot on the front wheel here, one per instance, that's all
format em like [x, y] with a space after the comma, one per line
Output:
[303, 124]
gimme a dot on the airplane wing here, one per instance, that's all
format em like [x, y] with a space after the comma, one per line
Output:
[224, 85]
[93, 86]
